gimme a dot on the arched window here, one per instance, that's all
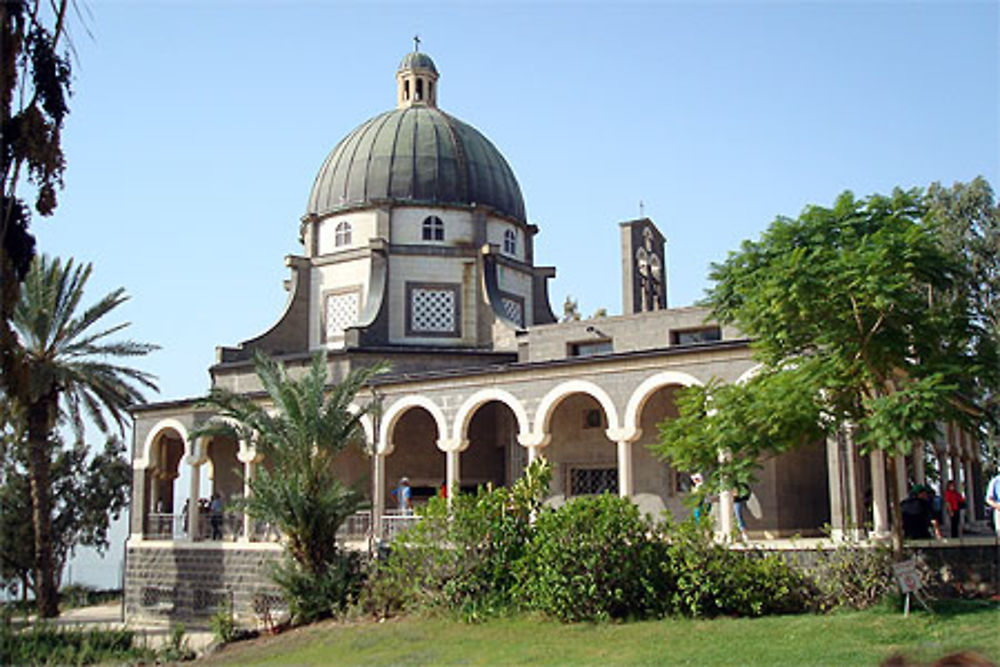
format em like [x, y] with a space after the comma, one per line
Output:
[342, 234]
[406, 90]
[420, 89]
[433, 229]
[510, 242]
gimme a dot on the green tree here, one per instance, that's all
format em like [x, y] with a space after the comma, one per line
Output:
[70, 372]
[839, 303]
[34, 88]
[968, 218]
[89, 489]
[299, 492]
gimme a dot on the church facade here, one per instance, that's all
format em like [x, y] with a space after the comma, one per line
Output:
[417, 250]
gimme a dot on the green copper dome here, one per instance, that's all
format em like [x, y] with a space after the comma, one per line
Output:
[416, 155]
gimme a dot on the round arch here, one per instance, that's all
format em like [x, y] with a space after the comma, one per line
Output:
[749, 374]
[645, 390]
[396, 411]
[367, 424]
[557, 394]
[482, 397]
[169, 424]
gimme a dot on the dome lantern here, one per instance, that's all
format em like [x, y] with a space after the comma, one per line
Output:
[416, 79]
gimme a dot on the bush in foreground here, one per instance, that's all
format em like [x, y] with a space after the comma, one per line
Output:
[45, 644]
[593, 558]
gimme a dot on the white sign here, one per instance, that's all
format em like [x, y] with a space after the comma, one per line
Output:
[907, 576]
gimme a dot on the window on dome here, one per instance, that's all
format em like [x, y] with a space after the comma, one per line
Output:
[433, 229]
[342, 235]
[406, 90]
[420, 89]
[510, 242]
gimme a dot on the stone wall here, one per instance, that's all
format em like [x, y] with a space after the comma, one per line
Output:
[189, 582]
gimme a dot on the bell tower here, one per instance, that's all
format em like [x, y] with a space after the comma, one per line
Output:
[644, 281]
[416, 79]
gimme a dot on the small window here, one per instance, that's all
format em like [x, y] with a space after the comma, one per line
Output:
[420, 89]
[593, 418]
[433, 229]
[406, 91]
[510, 242]
[342, 234]
[590, 348]
[696, 336]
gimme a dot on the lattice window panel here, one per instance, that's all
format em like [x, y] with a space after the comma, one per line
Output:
[432, 310]
[592, 481]
[210, 599]
[513, 309]
[341, 312]
[157, 596]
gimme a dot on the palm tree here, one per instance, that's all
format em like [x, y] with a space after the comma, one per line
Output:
[307, 424]
[69, 372]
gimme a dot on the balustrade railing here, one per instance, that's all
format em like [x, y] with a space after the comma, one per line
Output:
[229, 527]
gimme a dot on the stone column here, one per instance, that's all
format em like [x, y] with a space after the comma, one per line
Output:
[855, 496]
[970, 493]
[453, 477]
[725, 514]
[625, 478]
[378, 500]
[917, 460]
[901, 476]
[249, 472]
[195, 491]
[837, 484]
[880, 505]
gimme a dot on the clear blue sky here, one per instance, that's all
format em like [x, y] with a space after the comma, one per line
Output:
[197, 128]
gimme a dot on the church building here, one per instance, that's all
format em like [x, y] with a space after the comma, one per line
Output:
[416, 249]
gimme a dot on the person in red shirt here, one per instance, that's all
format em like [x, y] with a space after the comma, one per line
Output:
[955, 503]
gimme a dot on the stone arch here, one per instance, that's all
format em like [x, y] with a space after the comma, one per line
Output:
[557, 394]
[642, 393]
[367, 424]
[480, 398]
[398, 409]
[145, 459]
[749, 374]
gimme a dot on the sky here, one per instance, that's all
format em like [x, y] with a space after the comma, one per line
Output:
[197, 128]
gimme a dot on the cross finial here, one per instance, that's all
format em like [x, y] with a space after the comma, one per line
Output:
[642, 209]
[416, 43]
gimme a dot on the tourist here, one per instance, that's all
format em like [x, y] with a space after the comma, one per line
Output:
[404, 496]
[216, 516]
[704, 507]
[918, 515]
[741, 494]
[955, 503]
[993, 500]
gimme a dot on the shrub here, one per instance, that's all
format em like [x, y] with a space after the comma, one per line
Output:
[312, 596]
[223, 625]
[460, 559]
[594, 558]
[44, 644]
[710, 579]
[858, 574]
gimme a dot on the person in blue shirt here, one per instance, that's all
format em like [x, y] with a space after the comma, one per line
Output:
[993, 500]
[404, 496]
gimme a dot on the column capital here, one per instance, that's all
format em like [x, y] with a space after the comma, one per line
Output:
[534, 439]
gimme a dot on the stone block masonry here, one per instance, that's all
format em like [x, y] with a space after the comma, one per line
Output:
[191, 582]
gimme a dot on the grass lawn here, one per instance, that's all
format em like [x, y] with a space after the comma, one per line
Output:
[844, 638]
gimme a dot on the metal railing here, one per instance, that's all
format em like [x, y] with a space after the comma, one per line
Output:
[163, 526]
[229, 527]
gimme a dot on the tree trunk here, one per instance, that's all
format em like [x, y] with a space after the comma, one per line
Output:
[895, 508]
[41, 418]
